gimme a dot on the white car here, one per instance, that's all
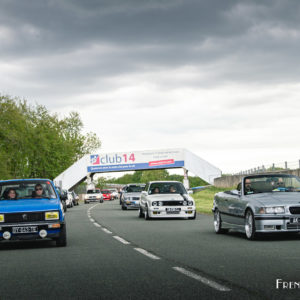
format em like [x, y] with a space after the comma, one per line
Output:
[166, 199]
[114, 193]
[93, 196]
[69, 200]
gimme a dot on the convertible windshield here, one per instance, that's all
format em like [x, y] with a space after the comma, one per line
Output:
[13, 190]
[271, 183]
[167, 188]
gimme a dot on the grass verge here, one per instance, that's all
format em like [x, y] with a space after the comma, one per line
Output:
[204, 199]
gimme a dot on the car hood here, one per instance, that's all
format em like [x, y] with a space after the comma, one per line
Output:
[28, 205]
[166, 197]
[277, 198]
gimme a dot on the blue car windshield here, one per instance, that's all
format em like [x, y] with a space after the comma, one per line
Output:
[271, 183]
[26, 189]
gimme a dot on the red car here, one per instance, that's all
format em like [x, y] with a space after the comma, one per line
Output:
[107, 195]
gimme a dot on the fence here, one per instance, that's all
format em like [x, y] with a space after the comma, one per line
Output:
[272, 167]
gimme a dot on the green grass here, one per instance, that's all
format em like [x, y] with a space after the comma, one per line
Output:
[204, 199]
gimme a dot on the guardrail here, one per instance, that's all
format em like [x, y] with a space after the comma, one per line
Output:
[271, 168]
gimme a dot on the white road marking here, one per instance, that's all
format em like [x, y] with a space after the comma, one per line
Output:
[97, 225]
[92, 220]
[106, 230]
[145, 252]
[202, 279]
[121, 240]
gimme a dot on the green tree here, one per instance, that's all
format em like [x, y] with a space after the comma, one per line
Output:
[152, 175]
[36, 143]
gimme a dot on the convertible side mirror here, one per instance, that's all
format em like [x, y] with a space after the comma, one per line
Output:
[190, 192]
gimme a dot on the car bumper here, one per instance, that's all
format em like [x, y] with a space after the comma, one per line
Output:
[132, 205]
[49, 227]
[91, 200]
[162, 212]
[269, 224]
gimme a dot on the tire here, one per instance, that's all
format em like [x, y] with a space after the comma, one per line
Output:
[141, 214]
[146, 215]
[250, 229]
[218, 223]
[124, 207]
[194, 217]
[61, 241]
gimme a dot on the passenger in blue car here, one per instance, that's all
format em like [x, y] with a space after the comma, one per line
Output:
[38, 191]
[11, 194]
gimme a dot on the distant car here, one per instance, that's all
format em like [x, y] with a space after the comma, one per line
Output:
[261, 204]
[131, 196]
[70, 200]
[114, 193]
[93, 196]
[75, 198]
[63, 197]
[30, 215]
[166, 199]
[107, 195]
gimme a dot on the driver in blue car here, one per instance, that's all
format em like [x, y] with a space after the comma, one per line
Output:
[38, 191]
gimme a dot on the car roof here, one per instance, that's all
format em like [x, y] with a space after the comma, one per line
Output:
[26, 179]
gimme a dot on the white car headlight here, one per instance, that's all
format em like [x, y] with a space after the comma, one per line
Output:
[190, 203]
[274, 210]
[154, 203]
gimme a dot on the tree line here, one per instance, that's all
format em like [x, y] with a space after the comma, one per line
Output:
[149, 175]
[35, 143]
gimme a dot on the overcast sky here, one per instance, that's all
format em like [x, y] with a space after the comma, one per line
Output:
[220, 78]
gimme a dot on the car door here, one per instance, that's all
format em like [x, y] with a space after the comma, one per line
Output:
[144, 196]
[226, 206]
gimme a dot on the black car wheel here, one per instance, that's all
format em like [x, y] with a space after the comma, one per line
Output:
[61, 241]
[250, 229]
[146, 215]
[218, 222]
[141, 214]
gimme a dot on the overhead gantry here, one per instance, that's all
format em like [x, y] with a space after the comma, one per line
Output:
[90, 164]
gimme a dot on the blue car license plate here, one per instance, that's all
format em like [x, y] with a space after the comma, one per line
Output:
[25, 229]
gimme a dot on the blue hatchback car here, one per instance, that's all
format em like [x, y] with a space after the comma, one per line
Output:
[31, 209]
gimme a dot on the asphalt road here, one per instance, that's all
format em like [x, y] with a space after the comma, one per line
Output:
[112, 254]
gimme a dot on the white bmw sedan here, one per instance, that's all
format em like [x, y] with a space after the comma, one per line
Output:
[166, 199]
